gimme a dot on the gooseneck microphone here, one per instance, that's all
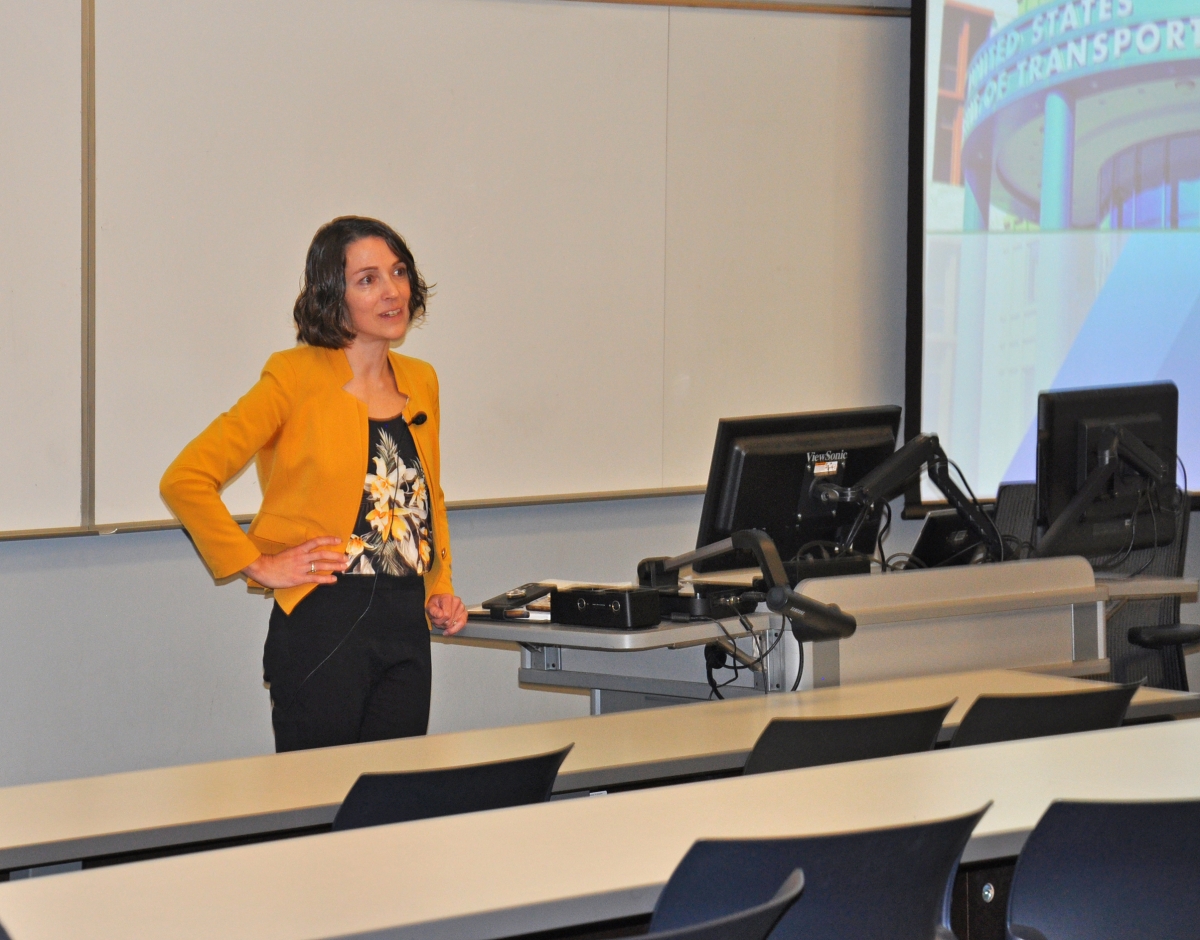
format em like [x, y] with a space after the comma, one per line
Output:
[418, 419]
[811, 620]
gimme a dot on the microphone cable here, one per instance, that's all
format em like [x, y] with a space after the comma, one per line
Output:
[418, 419]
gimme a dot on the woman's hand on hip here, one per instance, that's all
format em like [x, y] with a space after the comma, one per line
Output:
[447, 612]
[305, 564]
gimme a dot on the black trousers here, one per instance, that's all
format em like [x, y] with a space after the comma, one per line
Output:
[349, 665]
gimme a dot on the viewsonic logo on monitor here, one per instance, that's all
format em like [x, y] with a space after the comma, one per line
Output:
[826, 464]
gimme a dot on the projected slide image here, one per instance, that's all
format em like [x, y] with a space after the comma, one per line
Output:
[1062, 216]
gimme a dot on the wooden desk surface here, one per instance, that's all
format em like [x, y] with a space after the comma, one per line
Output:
[578, 861]
[962, 591]
[46, 823]
[970, 590]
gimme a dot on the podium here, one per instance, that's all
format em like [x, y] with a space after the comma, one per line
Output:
[631, 669]
[1045, 614]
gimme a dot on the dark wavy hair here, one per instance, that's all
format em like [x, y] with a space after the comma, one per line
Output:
[321, 315]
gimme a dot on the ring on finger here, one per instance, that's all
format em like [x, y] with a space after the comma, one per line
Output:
[312, 567]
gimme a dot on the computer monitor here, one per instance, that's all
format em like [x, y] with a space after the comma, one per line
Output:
[1106, 469]
[763, 471]
[946, 541]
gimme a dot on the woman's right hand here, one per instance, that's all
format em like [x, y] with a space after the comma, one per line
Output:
[303, 564]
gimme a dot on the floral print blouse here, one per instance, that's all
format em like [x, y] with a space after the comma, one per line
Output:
[392, 535]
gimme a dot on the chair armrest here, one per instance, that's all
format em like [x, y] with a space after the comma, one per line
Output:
[1171, 634]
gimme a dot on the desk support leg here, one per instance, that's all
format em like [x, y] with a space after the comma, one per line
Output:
[1087, 632]
[826, 664]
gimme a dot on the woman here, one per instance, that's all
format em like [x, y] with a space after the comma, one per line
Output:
[352, 534]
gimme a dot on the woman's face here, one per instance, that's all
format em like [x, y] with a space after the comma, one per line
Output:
[377, 291]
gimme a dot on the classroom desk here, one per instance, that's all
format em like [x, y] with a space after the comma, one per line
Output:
[148, 810]
[1047, 613]
[576, 862]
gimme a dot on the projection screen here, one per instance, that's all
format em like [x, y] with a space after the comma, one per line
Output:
[1057, 184]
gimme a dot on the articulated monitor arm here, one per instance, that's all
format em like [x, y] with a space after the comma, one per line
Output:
[890, 478]
[980, 525]
[1133, 450]
[1124, 446]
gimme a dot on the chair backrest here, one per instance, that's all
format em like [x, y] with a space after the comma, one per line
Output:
[1016, 508]
[379, 799]
[790, 743]
[753, 923]
[1109, 871]
[1011, 717]
[1161, 668]
[887, 884]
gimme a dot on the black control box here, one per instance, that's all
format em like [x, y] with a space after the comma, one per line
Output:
[610, 608]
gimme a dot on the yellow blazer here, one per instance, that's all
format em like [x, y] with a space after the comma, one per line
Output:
[310, 438]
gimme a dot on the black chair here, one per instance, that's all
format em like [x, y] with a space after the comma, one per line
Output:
[1109, 871]
[791, 743]
[753, 923]
[886, 884]
[1016, 509]
[995, 718]
[380, 799]
[1166, 636]
[1145, 639]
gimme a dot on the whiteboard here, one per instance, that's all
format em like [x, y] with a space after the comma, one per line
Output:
[40, 239]
[519, 147]
[639, 219]
[786, 220]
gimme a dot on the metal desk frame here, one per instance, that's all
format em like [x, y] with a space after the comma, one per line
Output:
[555, 656]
